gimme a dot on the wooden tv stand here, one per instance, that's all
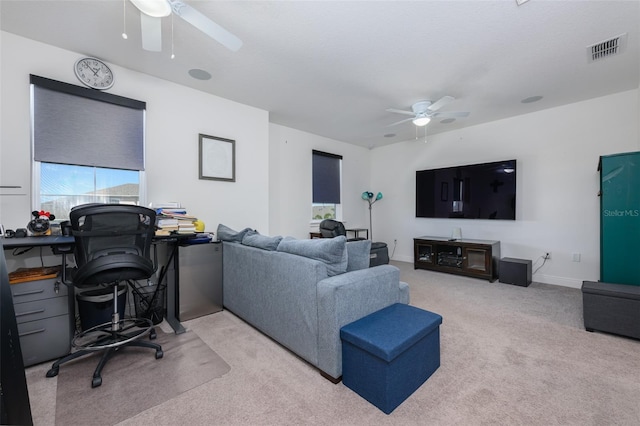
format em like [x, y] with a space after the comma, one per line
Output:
[473, 258]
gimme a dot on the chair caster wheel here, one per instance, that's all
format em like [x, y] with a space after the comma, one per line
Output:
[152, 335]
[97, 381]
[159, 354]
[53, 372]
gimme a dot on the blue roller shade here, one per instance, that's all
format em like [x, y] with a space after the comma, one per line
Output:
[326, 177]
[74, 125]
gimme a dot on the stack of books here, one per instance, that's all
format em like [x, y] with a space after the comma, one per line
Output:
[186, 226]
[166, 225]
[174, 219]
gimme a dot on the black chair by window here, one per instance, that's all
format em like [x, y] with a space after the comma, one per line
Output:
[330, 228]
[112, 246]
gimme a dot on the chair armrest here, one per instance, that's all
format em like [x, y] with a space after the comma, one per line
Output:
[345, 298]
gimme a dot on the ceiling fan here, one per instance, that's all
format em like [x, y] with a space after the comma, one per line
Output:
[152, 12]
[423, 111]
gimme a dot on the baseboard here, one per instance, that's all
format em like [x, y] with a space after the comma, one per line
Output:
[408, 259]
[562, 281]
[538, 278]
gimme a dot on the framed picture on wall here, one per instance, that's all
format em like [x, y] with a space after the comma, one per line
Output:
[217, 158]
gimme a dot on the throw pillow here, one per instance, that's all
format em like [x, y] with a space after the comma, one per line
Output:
[227, 234]
[331, 251]
[254, 239]
[358, 254]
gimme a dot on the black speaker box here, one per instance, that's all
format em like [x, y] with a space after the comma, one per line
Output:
[515, 271]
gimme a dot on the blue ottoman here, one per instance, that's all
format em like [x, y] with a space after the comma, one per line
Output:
[390, 353]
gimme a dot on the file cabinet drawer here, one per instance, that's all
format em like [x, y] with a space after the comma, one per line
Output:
[36, 290]
[40, 309]
[44, 339]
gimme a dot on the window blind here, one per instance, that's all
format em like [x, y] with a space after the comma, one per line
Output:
[326, 177]
[75, 125]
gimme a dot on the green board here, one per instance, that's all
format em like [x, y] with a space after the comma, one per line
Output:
[620, 218]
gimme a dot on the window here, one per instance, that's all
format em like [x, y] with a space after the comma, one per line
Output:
[88, 146]
[327, 180]
[63, 186]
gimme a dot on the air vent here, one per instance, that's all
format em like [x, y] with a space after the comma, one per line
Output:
[607, 48]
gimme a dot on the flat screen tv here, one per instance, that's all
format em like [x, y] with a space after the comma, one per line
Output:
[476, 191]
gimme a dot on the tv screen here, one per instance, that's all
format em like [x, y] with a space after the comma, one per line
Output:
[476, 191]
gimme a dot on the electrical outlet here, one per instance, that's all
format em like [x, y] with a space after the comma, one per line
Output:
[547, 256]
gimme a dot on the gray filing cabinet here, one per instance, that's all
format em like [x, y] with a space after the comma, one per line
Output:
[198, 281]
[44, 313]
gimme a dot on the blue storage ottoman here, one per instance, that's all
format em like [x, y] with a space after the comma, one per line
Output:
[390, 353]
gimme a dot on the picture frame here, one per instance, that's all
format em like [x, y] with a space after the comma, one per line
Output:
[217, 158]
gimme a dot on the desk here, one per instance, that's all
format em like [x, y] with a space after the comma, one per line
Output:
[47, 240]
[356, 232]
[194, 279]
[63, 245]
[170, 261]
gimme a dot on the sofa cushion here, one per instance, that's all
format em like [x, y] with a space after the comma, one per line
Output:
[331, 251]
[358, 253]
[255, 239]
[227, 234]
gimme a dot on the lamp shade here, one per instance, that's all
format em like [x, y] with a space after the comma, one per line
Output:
[365, 195]
[379, 196]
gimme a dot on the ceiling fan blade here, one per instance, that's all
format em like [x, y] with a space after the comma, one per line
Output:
[151, 33]
[450, 114]
[440, 103]
[400, 111]
[206, 25]
[400, 122]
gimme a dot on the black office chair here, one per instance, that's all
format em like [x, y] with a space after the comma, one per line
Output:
[330, 228]
[112, 245]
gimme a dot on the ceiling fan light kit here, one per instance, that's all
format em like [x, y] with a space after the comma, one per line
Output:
[153, 8]
[424, 111]
[421, 121]
[151, 12]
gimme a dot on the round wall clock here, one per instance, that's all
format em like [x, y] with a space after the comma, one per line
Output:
[94, 73]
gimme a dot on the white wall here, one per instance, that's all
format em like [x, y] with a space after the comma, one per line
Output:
[290, 189]
[557, 152]
[175, 116]
[557, 207]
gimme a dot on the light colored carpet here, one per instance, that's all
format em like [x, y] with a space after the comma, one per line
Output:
[133, 380]
[509, 356]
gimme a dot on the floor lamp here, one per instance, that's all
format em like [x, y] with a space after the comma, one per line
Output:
[368, 196]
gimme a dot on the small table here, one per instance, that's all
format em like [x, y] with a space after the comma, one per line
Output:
[356, 232]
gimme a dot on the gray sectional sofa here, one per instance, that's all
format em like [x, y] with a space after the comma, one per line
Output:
[301, 292]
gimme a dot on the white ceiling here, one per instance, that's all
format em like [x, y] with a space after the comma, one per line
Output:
[332, 68]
